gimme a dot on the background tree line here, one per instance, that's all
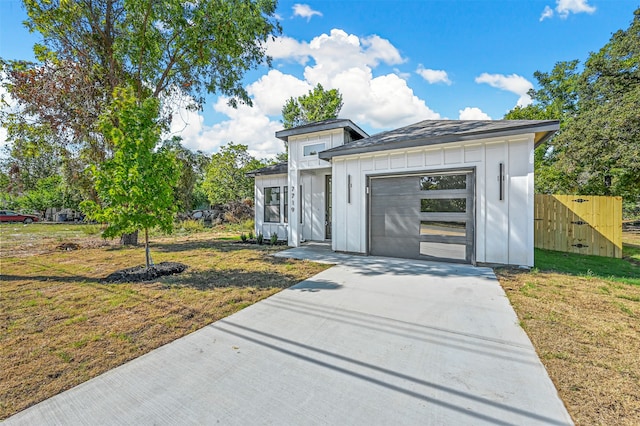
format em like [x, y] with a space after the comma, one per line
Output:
[597, 150]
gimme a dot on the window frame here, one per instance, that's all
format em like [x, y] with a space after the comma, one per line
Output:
[267, 219]
[320, 146]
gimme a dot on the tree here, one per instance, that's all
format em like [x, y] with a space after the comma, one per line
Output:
[597, 150]
[556, 99]
[601, 145]
[170, 50]
[193, 165]
[136, 185]
[226, 178]
[317, 105]
[49, 192]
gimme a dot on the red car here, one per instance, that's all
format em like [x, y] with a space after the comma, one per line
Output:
[9, 216]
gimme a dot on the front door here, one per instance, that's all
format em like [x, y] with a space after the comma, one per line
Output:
[327, 210]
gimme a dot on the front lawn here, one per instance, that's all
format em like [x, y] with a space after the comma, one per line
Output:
[59, 326]
[582, 314]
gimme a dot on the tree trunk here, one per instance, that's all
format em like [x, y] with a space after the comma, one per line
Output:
[147, 253]
[129, 239]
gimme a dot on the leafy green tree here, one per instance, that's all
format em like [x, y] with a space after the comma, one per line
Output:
[317, 105]
[226, 178]
[136, 185]
[597, 150]
[193, 165]
[601, 145]
[556, 99]
[49, 192]
[171, 50]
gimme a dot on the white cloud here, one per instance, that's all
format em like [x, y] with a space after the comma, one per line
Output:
[336, 60]
[433, 76]
[473, 113]
[246, 125]
[566, 7]
[7, 105]
[287, 48]
[273, 89]
[546, 13]
[512, 83]
[304, 11]
[378, 49]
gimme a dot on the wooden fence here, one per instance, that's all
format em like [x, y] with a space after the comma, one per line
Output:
[579, 224]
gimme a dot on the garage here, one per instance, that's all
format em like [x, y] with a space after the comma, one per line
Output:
[428, 216]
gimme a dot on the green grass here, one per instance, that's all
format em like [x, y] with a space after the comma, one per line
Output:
[611, 269]
[632, 251]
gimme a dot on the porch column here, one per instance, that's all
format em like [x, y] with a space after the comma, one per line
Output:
[295, 204]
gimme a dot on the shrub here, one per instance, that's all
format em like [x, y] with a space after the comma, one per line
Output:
[260, 238]
[274, 239]
[91, 229]
[243, 237]
[192, 226]
[251, 235]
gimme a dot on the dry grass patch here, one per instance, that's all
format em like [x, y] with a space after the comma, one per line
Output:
[586, 330]
[59, 326]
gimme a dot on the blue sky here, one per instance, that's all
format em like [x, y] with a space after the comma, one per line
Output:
[395, 62]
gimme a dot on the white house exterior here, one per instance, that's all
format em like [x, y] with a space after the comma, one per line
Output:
[450, 190]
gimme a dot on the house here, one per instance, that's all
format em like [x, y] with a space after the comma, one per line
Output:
[447, 190]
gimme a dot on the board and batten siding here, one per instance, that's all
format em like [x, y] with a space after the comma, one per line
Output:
[308, 173]
[268, 228]
[503, 228]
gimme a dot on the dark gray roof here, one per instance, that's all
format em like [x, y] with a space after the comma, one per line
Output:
[276, 169]
[434, 132]
[318, 126]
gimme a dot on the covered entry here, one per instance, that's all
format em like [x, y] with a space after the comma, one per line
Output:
[426, 216]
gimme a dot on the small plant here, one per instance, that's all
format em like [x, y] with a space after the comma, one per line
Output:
[251, 235]
[192, 226]
[260, 238]
[243, 237]
[274, 239]
[91, 229]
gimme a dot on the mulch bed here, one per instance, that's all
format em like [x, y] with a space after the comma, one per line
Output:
[141, 273]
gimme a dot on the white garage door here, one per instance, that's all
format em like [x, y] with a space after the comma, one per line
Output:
[427, 216]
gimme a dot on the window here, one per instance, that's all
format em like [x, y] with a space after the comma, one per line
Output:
[314, 149]
[435, 205]
[436, 182]
[272, 204]
[449, 229]
[285, 195]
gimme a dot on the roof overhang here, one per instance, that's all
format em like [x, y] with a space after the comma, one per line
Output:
[320, 126]
[276, 169]
[542, 130]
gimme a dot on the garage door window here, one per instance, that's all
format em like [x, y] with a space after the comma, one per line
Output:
[446, 205]
[450, 229]
[441, 182]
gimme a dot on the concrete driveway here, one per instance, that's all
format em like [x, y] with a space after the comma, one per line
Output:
[372, 341]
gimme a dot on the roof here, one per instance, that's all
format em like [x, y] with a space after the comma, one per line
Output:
[276, 169]
[434, 132]
[318, 126]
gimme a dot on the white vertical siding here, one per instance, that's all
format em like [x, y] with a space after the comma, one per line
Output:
[268, 228]
[310, 172]
[504, 229]
[520, 202]
[495, 217]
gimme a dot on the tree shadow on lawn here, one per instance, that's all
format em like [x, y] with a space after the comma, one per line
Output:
[215, 244]
[201, 280]
[52, 278]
